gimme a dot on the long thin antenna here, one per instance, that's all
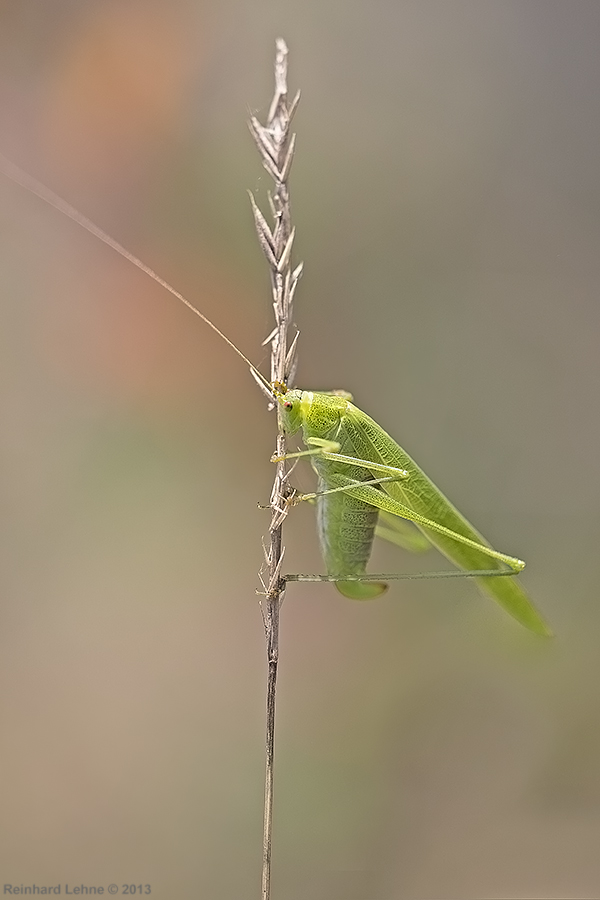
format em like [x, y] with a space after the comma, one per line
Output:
[34, 186]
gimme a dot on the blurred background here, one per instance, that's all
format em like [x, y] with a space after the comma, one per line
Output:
[446, 198]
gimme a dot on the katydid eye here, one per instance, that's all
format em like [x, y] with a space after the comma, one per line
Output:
[288, 404]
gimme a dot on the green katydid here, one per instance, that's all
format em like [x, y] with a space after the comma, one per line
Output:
[362, 474]
[361, 471]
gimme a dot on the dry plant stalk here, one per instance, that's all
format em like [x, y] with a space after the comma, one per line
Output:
[276, 144]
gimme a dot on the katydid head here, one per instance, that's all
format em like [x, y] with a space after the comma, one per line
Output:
[318, 412]
[290, 407]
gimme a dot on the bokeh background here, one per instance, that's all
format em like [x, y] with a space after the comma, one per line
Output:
[446, 198]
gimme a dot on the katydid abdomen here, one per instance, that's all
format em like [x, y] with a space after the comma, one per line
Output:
[347, 517]
[346, 528]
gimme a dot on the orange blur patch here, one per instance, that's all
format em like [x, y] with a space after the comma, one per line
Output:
[120, 83]
[117, 330]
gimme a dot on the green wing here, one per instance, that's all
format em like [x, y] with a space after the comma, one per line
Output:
[401, 532]
[419, 500]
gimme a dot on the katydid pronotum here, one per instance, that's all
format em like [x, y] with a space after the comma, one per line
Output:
[363, 474]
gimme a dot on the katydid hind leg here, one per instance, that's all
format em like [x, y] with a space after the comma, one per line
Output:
[462, 551]
[383, 501]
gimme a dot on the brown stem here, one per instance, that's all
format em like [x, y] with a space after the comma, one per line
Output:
[276, 144]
